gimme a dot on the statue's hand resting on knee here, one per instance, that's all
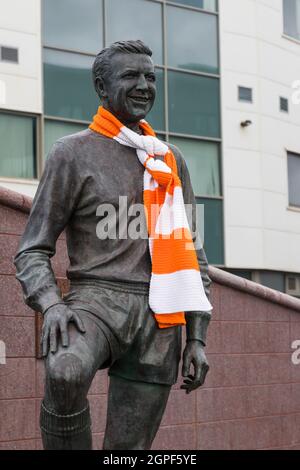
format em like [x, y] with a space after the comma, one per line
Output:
[55, 326]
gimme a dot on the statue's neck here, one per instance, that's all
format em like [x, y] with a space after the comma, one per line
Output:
[135, 127]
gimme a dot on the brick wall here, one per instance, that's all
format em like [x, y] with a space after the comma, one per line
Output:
[251, 398]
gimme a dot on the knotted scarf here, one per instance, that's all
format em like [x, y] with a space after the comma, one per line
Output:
[175, 285]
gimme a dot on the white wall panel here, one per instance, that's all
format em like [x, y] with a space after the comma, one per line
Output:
[29, 54]
[245, 247]
[20, 15]
[254, 53]
[21, 94]
[246, 207]
[244, 168]
[281, 250]
[274, 174]
[20, 27]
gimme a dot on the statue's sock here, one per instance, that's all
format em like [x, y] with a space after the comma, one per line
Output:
[66, 432]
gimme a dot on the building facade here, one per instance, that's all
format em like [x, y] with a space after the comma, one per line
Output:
[260, 67]
[227, 96]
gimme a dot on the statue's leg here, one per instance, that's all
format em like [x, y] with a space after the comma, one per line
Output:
[65, 417]
[134, 413]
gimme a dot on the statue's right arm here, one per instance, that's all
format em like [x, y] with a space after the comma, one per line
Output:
[52, 207]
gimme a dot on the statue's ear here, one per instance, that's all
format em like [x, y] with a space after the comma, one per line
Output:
[100, 87]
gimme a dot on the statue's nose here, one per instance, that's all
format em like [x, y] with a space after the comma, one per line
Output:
[142, 84]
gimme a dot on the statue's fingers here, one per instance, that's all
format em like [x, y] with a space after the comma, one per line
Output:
[185, 387]
[186, 367]
[192, 384]
[45, 339]
[42, 335]
[204, 371]
[188, 382]
[79, 323]
[201, 370]
[198, 368]
[64, 334]
[53, 339]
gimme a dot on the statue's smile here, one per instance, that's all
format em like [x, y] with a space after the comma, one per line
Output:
[140, 99]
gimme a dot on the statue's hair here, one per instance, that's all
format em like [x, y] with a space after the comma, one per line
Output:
[101, 66]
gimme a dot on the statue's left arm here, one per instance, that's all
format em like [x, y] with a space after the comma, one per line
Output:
[196, 322]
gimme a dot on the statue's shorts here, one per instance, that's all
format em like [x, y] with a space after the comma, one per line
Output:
[139, 350]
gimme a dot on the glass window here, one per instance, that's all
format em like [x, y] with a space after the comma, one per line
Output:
[294, 178]
[202, 159]
[210, 5]
[199, 49]
[17, 137]
[194, 104]
[73, 24]
[273, 280]
[54, 130]
[284, 104]
[213, 229]
[291, 17]
[156, 117]
[68, 86]
[9, 54]
[245, 94]
[241, 273]
[136, 19]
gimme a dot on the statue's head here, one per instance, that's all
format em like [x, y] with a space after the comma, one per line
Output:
[124, 79]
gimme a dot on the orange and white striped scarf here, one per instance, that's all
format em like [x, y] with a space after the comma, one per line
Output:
[176, 285]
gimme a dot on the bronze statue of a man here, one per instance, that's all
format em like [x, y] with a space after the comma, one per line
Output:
[105, 320]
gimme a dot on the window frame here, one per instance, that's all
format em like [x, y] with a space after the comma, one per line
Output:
[241, 100]
[219, 152]
[290, 206]
[40, 118]
[37, 145]
[66, 49]
[286, 100]
[204, 12]
[166, 134]
[285, 34]
[165, 67]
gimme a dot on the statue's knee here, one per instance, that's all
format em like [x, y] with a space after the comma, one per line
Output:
[65, 381]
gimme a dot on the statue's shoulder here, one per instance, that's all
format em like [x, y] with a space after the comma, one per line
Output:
[77, 140]
[78, 145]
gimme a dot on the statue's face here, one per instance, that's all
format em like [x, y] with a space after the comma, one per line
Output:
[129, 92]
